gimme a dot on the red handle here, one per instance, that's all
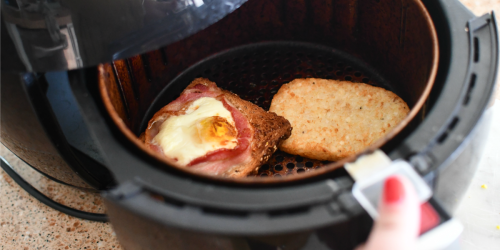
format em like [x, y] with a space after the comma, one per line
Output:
[429, 218]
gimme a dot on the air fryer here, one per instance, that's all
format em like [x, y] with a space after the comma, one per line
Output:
[436, 55]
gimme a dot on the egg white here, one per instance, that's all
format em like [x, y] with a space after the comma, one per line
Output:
[179, 137]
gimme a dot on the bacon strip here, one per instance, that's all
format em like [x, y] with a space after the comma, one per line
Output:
[217, 161]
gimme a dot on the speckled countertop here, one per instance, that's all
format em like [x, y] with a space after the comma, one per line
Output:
[25, 223]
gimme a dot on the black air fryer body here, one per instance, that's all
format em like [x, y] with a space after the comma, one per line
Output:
[55, 120]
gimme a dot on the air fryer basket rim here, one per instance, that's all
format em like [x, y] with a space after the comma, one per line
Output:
[256, 180]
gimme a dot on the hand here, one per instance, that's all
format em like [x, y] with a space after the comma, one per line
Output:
[398, 224]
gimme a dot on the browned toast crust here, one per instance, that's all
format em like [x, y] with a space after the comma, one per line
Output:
[269, 129]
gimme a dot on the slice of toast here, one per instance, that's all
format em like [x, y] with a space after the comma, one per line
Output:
[269, 130]
[265, 130]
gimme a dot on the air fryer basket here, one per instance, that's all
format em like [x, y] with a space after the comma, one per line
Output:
[264, 44]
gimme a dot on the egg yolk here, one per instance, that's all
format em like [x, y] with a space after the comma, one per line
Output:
[216, 129]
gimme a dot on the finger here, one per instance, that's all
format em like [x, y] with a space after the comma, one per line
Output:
[397, 226]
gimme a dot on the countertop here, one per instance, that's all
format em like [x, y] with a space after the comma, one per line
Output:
[25, 223]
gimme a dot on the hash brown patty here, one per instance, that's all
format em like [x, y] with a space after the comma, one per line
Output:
[334, 119]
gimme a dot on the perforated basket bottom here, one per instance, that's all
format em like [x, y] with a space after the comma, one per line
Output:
[256, 72]
[281, 164]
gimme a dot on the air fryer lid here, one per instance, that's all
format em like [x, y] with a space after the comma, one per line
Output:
[366, 50]
[53, 35]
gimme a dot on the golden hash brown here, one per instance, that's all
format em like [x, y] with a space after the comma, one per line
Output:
[334, 119]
